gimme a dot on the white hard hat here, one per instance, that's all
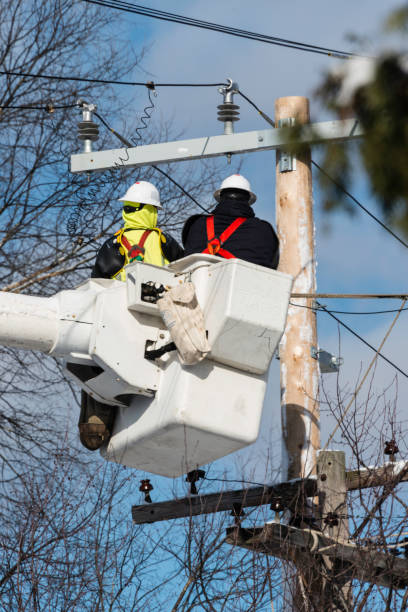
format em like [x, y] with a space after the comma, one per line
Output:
[236, 181]
[144, 193]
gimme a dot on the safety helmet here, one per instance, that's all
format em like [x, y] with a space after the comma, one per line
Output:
[142, 192]
[236, 181]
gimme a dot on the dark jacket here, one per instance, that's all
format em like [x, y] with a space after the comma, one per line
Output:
[109, 260]
[254, 241]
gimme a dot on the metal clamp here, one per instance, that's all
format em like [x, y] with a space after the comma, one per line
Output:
[287, 162]
[328, 363]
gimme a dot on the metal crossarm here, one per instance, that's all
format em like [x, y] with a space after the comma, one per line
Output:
[213, 146]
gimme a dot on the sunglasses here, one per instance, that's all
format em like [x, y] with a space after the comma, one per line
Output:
[131, 209]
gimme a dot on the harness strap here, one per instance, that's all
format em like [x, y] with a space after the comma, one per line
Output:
[214, 245]
[135, 250]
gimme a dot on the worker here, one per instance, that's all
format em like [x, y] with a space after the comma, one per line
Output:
[138, 240]
[232, 230]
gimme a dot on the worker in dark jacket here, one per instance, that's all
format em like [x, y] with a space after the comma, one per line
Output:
[138, 240]
[232, 230]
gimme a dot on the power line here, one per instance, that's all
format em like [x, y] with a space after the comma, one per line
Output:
[207, 25]
[48, 108]
[128, 144]
[347, 312]
[149, 84]
[263, 115]
[352, 296]
[338, 185]
[362, 339]
[387, 229]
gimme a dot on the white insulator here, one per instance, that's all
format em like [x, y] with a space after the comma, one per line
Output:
[28, 322]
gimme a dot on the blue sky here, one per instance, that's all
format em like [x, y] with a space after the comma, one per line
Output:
[354, 254]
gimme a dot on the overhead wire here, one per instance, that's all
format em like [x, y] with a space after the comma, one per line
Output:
[340, 322]
[48, 108]
[252, 103]
[347, 312]
[338, 185]
[232, 31]
[364, 378]
[354, 199]
[128, 144]
[147, 84]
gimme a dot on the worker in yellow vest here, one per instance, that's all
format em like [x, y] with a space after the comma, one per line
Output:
[138, 240]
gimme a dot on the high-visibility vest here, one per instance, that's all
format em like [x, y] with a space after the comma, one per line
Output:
[214, 244]
[136, 252]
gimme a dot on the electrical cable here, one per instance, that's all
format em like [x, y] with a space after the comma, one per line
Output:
[252, 103]
[324, 309]
[107, 82]
[48, 108]
[334, 181]
[207, 25]
[374, 359]
[359, 204]
[128, 144]
[345, 191]
[345, 312]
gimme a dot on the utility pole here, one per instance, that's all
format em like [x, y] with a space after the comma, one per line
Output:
[332, 486]
[299, 371]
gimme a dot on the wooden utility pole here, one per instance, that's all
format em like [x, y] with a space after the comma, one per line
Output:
[332, 486]
[299, 371]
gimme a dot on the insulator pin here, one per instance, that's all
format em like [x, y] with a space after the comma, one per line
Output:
[391, 449]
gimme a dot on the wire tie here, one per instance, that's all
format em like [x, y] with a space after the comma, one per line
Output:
[150, 85]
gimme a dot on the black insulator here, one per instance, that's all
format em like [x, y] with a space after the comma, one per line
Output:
[277, 504]
[88, 130]
[192, 477]
[228, 118]
[146, 487]
[228, 105]
[331, 519]
[228, 112]
[391, 448]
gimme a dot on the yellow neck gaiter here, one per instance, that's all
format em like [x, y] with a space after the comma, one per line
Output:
[139, 221]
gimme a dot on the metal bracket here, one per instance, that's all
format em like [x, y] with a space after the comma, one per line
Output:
[287, 162]
[328, 363]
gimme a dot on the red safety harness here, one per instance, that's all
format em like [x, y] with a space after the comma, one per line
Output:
[135, 251]
[214, 246]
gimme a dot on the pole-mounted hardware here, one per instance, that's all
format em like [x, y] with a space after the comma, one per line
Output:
[391, 449]
[278, 506]
[331, 519]
[145, 488]
[193, 477]
[287, 161]
[328, 363]
[88, 130]
[228, 112]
